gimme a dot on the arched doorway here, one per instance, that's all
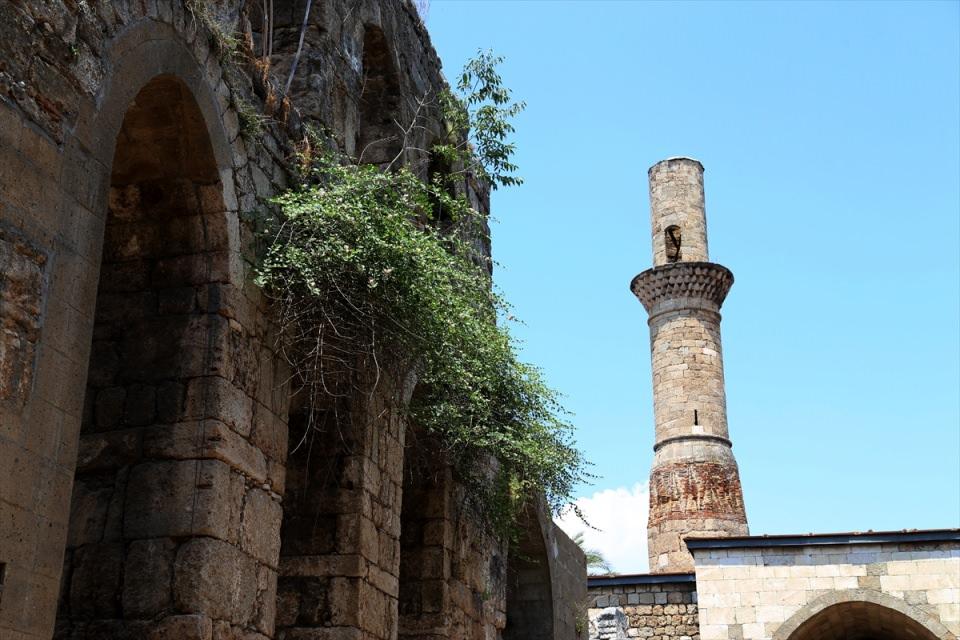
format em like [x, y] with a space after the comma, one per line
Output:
[861, 621]
[425, 518]
[140, 489]
[529, 587]
[861, 615]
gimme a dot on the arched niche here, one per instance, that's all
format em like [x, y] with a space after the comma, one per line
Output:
[165, 250]
[379, 134]
[425, 540]
[318, 511]
[530, 601]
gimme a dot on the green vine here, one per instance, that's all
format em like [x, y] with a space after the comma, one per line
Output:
[363, 275]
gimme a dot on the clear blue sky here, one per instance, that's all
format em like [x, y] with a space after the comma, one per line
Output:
[829, 133]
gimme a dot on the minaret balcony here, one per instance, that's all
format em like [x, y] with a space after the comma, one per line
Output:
[682, 285]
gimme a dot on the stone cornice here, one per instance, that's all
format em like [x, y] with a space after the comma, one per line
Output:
[702, 281]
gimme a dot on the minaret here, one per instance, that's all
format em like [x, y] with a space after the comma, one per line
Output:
[694, 484]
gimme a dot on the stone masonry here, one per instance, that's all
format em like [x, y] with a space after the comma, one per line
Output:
[830, 587]
[152, 479]
[657, 607]
[694, 483]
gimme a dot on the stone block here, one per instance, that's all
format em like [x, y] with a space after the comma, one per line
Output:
[148, 574]
[206, 439]
[95, 581]
[215, 578]
[88, 510]
[217, 398]
[260, 529]
[184, 627]
[100, 451]
[182, 498]
[266, 607]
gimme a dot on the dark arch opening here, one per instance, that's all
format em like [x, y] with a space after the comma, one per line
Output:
[319, 448]
[529, 590]
[861, 621]
[379, 138]
[424, 518]
[165, 248]
[672, 237]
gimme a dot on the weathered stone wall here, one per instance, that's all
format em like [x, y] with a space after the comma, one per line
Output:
[569, 586]
[654, 610]
[763, 593]
[546, 586]
[136, 354]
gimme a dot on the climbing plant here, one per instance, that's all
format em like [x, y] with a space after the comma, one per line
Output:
[364, 278]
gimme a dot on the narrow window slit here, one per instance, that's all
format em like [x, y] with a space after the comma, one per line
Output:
[696, 418]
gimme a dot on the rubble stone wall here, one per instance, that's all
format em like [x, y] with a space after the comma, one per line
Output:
[657, 611]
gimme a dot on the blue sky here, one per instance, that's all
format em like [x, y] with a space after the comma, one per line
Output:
[829, 133]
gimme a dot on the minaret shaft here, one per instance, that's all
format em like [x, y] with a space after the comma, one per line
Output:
[694, 483]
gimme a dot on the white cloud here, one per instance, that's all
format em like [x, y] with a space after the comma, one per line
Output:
[620, 520]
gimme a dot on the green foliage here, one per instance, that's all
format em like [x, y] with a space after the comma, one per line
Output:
[364, 277]
[251, 122]
[478, 121]
[225, 44]
[359, 276]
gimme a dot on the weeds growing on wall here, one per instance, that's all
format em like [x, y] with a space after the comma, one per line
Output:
[364, 277]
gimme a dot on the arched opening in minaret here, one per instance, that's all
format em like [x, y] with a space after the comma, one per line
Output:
[672, 237]
[861, 621]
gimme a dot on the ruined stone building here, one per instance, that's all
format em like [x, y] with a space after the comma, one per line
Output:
[150, 482]
[709, 578]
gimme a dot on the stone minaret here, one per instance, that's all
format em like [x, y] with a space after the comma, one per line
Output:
[694, 484]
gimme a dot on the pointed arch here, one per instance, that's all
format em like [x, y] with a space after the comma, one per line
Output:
[530, 597]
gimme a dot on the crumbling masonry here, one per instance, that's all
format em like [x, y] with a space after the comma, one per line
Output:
[150, 480]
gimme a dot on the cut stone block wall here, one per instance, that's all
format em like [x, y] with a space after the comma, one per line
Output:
[765, 593]
[181, 449]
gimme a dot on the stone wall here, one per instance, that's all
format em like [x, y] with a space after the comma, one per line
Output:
[763, 593]
[567, 574]
[137, 356]
[653, 607]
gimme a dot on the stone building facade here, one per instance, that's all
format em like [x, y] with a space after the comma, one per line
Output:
[709, 579]
[150, 480]
[861, 585]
